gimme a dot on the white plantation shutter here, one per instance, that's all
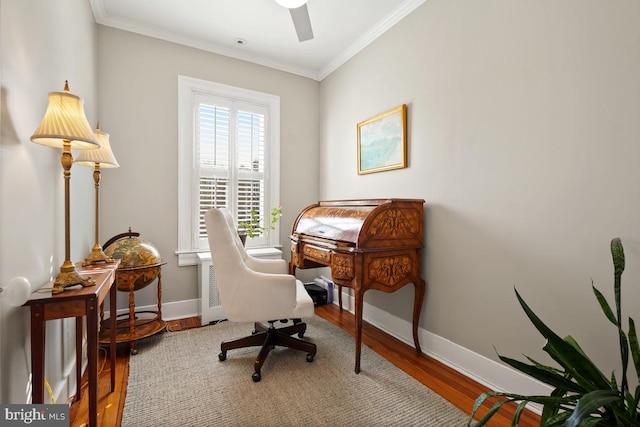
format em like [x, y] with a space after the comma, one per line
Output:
[231, 159]
[251, 164]
[213, 139]
[228, 156]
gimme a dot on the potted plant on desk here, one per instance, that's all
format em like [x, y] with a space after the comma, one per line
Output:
[254, 227]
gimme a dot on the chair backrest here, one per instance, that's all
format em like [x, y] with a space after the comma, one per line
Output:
[265, 266]
[232, 225]
[246, 295]
[225, 254]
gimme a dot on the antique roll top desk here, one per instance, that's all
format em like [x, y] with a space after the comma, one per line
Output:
[368, 244]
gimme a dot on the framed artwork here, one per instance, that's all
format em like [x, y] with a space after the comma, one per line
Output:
[382, 141]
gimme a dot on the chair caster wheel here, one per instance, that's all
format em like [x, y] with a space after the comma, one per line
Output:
[300, 334]
[222, 357]
[134, 351]
[310, 357]
[256, 377]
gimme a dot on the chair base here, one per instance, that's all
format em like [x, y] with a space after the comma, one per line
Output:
[270, 337]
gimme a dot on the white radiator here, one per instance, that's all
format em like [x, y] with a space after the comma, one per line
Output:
[210, 307]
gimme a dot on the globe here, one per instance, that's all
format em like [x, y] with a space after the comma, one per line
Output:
[135, 254]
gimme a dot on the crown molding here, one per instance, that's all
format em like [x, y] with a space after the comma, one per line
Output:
[389, 21]
[366, 39]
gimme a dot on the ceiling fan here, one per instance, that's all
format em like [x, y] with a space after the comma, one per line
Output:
[300, 16]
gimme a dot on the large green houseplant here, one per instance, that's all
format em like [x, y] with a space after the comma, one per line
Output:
[582, 395]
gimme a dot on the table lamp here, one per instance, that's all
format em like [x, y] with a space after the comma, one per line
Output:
[101, 158]
[65, 126]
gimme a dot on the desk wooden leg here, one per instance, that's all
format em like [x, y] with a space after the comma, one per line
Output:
[78, 357]
[417, 308]
[359, 300]
[113, 332]
[37, 353]
[92, 356]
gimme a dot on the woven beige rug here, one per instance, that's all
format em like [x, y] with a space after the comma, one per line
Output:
[176, 379]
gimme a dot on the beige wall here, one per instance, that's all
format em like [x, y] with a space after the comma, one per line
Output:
[42, 44]
[524, 141]
[138, 103]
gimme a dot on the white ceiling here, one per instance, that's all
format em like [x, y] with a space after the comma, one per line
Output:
[341, 28]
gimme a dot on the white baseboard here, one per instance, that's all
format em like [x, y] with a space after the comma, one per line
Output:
[490, 373]
[170, 310]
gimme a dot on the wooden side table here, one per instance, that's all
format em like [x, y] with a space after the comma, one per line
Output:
[83, 301]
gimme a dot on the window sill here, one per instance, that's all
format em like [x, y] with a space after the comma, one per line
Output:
[186, 258]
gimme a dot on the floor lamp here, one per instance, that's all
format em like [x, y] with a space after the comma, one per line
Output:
[65, 126]
[101, 158]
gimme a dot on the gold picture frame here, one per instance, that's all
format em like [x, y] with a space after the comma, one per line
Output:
[382, 141]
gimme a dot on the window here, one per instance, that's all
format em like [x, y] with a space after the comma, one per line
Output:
[228, 156]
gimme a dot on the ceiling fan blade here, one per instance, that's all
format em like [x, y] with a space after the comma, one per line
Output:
[302, 23]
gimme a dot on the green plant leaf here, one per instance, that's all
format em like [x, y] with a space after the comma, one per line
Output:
[552, 417]
[546, 376]
[545, 367]
[634, 405]
[631, 403]
[624, 352]
[550, 412]
[573, 343]
[617, 253]
[490, 413]
[511, 397]
[572, 360]
[604, 304]
[516, 416]
[578, 366]
[593, 422]
[614, 383]
[635, 347]
[558, 419]
[478, 403]
[589, 404]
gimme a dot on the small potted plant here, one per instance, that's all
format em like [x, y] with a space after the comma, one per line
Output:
[253, 227]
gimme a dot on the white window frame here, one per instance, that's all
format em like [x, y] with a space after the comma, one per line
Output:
[188, 89]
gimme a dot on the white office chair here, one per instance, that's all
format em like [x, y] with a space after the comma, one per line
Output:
[255, 290]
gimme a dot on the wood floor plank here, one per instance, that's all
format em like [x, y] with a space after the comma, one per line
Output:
[447, 382]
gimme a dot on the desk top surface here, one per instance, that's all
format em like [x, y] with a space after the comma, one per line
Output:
[100, 273]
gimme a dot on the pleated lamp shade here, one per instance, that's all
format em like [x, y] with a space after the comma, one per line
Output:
[65, 120]
[103, 155]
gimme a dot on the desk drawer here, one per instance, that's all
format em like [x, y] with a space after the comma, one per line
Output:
[342, 266]
[319, 255]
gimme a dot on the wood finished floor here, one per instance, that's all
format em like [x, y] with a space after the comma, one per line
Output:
[450, 384]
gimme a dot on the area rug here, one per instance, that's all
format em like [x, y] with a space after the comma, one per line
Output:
[176, 379]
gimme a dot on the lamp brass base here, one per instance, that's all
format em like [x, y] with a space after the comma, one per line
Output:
[70, 277]
[97, 256]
